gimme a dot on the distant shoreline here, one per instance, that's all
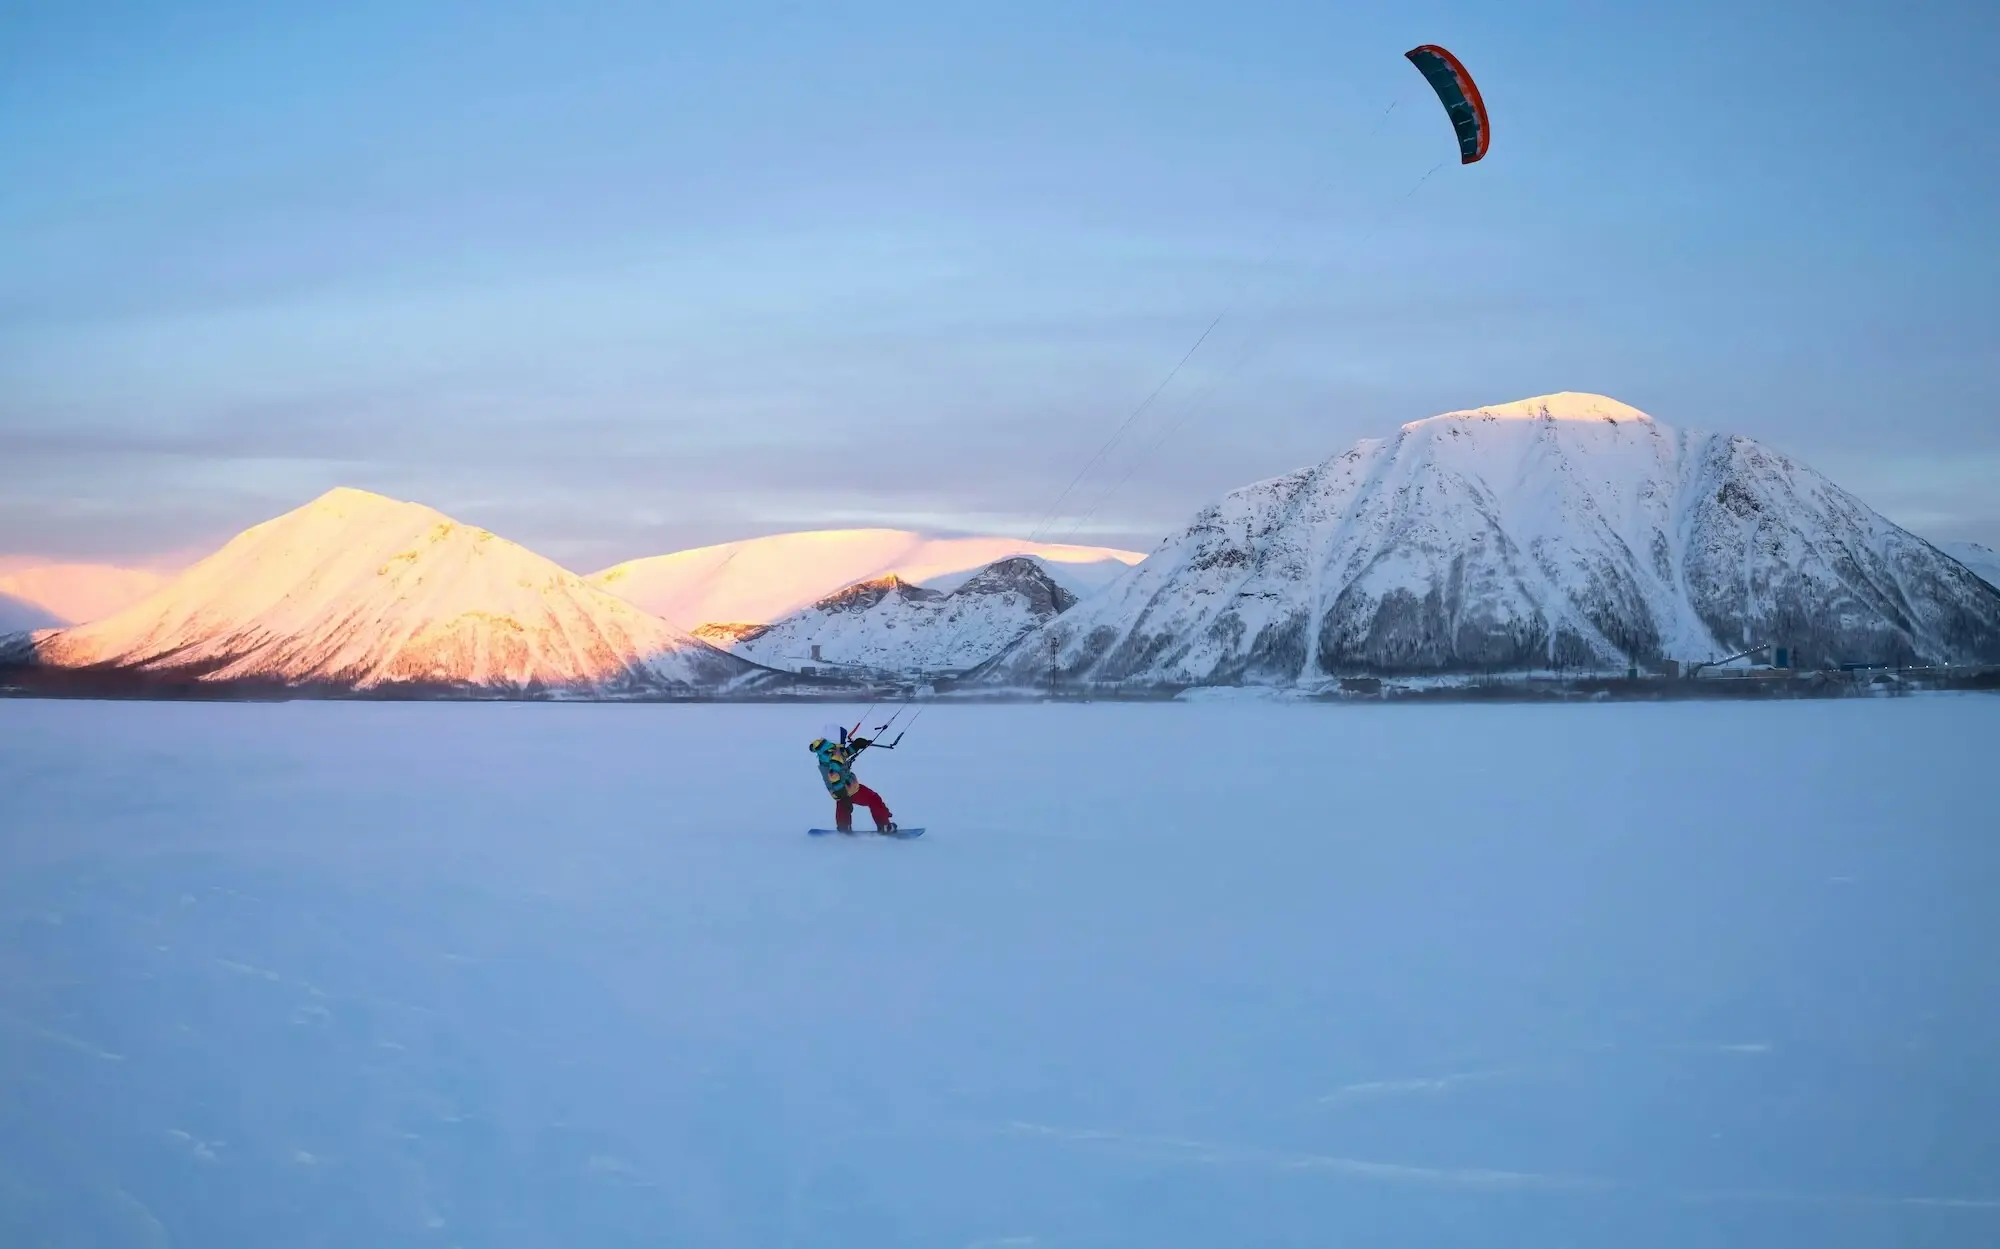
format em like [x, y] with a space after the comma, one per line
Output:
[102, 686]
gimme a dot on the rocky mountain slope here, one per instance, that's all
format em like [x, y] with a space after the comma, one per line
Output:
[887, 624]
[1564, 531]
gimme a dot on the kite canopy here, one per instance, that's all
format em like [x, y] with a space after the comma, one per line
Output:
[1460, 97]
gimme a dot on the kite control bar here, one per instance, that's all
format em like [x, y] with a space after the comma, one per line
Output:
[886, 725]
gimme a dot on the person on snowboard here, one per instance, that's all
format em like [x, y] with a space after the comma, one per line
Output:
[835, 751]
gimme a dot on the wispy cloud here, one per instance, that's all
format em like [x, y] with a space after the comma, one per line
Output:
[1210, 1152]
[926, 276]
[1494, 1179]
[1370, 1090]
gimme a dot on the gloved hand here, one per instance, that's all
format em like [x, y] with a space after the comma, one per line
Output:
[859, 742]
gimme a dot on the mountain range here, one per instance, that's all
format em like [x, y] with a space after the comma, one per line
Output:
[1568, 531]
[761, 580]
[357, 592]
[888, 625]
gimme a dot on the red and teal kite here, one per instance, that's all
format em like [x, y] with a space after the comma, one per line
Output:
[1460, 96]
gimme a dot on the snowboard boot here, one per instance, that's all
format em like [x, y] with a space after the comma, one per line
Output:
[886, 829]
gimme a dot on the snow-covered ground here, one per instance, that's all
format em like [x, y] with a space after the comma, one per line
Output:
[1227, 974]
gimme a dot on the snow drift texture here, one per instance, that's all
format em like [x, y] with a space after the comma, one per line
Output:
[887, 623]
[1567, 530]
[762, 580]
[362, 592]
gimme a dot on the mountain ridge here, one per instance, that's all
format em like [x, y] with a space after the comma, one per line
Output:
[887, 624]
[762, 580]
[1983, 561]
[357, 591]
[1561, 531]
[1566, 531]
[74, 593]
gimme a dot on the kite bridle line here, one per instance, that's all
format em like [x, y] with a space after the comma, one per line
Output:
[1197, 407]
[1046, 527]
[1431, 60]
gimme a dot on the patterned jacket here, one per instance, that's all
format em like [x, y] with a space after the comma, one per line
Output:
[836, 764]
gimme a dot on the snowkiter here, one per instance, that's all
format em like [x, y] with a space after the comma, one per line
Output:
[835, 751]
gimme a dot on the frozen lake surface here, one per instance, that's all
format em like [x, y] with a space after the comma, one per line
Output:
[1231, 974]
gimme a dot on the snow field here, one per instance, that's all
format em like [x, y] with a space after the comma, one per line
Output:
[1234, 973]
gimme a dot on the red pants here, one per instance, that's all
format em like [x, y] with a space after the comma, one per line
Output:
[843, 808]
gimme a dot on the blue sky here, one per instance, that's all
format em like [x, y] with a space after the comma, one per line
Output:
[613, 279]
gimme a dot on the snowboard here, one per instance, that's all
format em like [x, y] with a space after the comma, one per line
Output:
[901, 834]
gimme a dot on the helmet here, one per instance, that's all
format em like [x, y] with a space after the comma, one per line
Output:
[832, 733]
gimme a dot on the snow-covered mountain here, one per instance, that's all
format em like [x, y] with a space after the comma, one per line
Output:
[1082, 578]
[760, 580]
[1565, 530]
[886, 623]
[76, 593]
[356, 591]
[19, 615]
[1983, 560]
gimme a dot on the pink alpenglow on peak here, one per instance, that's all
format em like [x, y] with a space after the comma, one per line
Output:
[1567, 405]
[763, 580]
[68, 593]
[361, 592]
